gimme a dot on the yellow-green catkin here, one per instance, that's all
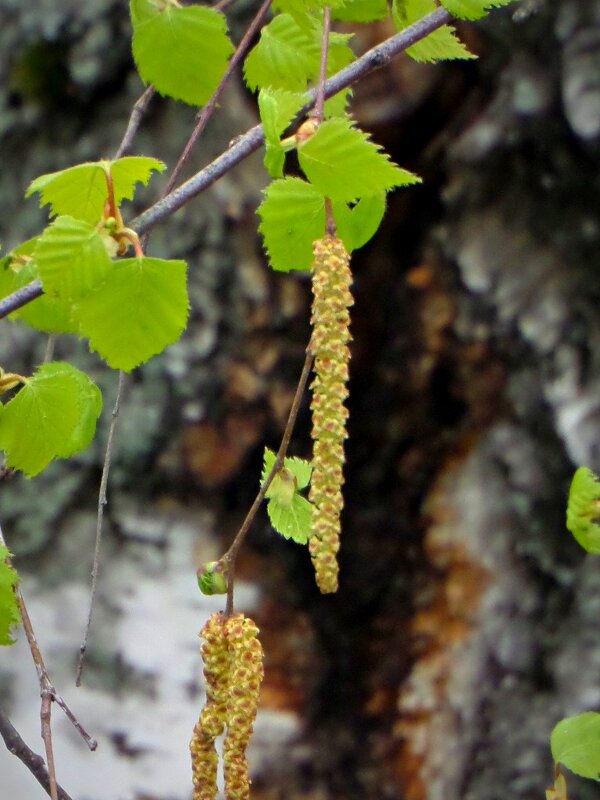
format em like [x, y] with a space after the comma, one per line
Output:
[217, 669]
[233, 668]
[242, 703]
[331, 281]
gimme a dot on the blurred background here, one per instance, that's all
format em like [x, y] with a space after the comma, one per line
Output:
[466, 623]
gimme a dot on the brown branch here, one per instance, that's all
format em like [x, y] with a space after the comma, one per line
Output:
[231, 555]
[248, 143]
[208, 110]
[102, 502]
[34, 762]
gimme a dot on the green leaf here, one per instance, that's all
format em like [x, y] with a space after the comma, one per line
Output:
[181, 50]
[442, 44]
[291, 522]
[278, 108]
[46, 314]
[285, 57]
[71, 258]
[288, 55]
[90, 408]
[305, 8]
[52, 416]
[81, 191]
[10, 616]
[292, 218]
[361, 11]
[343, 164]
[359, 223]
[583, 509]
[575, 742]
[289, 512]
[472, 9]
[141, 309]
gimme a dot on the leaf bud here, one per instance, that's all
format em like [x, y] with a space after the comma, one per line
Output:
[212, 578]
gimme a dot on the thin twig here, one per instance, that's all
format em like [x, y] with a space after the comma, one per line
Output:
[231, 555]
[34, 762]
[137, 114]
[208, 110]
[102, 501]
[320, 101]
[47, 692]
[248, 143]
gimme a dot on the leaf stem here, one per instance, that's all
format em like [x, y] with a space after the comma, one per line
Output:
[231, 555]
[102, 502]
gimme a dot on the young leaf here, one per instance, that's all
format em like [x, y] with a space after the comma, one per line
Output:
[81, 191]
[299, 468]
[302, 9]
[278, 108]
[285, 57]
[293, 521]
[472, 9]
[359, 223]
[71, 258]
[575, 742]
[142, 309]
[90, 408]
[292, 218]
[181, 50]
[442, 44]
[289, 512]
[52, 416]
[288, 54]
[46, 314]
[361, 11]
[343, 164]
[10, 615]
[583, 509]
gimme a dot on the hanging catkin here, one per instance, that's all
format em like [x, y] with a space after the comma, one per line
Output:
[211, 724]
[330, 318]
[242, 703]
[233, 670]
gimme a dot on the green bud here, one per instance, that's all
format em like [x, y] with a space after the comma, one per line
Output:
[212, 578]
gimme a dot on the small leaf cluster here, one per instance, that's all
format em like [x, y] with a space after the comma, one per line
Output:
[128, 308]
[289, 512]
